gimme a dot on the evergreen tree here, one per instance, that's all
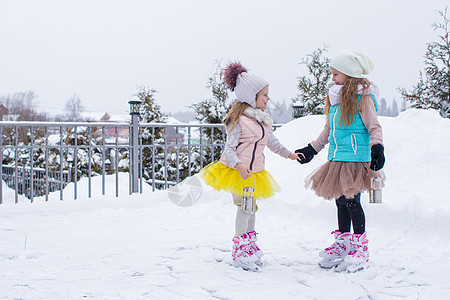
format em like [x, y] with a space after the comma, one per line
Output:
[404, 107]
[151, 137]
[212, 111]
[150, 110]
[85, 136]
[383, 108]
[394, 110]
[433, 88]
[314, 86]
[280, 112]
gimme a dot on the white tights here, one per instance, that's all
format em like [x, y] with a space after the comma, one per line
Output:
[245, 222]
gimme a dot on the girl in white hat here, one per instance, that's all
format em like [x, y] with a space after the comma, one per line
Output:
[355, 153]
[249, 130]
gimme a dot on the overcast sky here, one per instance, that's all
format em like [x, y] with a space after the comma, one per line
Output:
[102, 50]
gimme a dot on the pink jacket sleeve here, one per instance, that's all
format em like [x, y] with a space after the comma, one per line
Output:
[322, 139]
[369, 117]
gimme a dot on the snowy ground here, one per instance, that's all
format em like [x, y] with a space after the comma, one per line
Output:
[145, 247]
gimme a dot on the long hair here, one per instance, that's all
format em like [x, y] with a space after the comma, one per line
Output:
[348, 99]
[231, 118]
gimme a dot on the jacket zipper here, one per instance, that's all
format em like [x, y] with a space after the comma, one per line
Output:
[354, 143]
[256, 144]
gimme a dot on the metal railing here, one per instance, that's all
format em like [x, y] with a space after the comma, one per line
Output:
[197, 145]
[34, 184]
[43, 152]
[43, 157]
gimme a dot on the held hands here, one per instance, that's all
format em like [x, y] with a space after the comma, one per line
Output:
[244, 171]
[377, 154]
[293, 156]
[306, 154]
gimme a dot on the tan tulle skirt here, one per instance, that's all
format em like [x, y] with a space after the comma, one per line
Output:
[336, 178]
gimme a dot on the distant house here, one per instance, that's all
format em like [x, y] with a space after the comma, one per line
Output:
[3, 112]
[105, 118]
[5, 116]
[122, 132]
[171, 134]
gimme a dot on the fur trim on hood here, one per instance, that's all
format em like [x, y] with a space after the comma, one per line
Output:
[259, 115]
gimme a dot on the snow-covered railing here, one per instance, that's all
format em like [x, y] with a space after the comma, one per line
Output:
[186, 149]
[37, 184]
[42, 157]
[45, 148]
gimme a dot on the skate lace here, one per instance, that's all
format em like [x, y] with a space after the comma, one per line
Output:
[335, 247]
[254, 246]
[357, 247]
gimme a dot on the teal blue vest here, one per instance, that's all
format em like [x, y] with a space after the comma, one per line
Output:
[351, 143]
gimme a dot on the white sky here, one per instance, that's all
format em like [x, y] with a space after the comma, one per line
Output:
[103, 50]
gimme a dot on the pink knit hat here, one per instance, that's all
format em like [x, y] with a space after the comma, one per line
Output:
[246, 86]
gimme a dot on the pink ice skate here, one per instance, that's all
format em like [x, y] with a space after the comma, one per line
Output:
[242, 253]
[335, 254]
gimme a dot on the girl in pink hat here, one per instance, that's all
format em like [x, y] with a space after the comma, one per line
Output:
[249, 131]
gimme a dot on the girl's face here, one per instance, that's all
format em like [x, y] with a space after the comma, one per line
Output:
[262, 98]
[338, 77]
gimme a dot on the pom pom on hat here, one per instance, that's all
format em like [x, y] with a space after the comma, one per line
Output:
[352, 63]
[231, 74]
[246, 86]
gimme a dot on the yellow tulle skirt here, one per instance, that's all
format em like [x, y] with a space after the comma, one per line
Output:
[221, 177]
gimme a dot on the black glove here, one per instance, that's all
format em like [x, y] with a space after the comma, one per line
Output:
[377, 154]
[308, 152]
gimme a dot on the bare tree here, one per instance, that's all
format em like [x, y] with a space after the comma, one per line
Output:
[21, 106]
[74, 108]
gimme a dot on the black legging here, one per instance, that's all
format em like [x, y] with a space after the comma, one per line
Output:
[350, 210]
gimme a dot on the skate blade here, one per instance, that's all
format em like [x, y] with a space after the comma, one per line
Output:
[342, 267]
[246, 266]
[357, 267]
[259, 263]
[329, 264]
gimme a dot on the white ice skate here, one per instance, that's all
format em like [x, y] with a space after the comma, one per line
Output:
[243, 256]
[254, 247]
[358, 257]
[334, 255]
[330, 263]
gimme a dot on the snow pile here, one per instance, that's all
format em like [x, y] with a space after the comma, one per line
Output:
[144, 247]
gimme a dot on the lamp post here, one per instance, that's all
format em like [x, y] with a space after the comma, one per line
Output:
[107, 165]
[23, 158]
[135, 105]
[70, 164]
[297, 110]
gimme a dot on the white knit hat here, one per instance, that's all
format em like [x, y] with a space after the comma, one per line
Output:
[352, 63]
[246, 86]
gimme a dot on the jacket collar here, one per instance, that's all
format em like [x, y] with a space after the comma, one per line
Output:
[259, 115]
[335, 91]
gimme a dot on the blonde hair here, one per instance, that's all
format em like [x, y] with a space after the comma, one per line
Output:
[348, 99]
[231, 118]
